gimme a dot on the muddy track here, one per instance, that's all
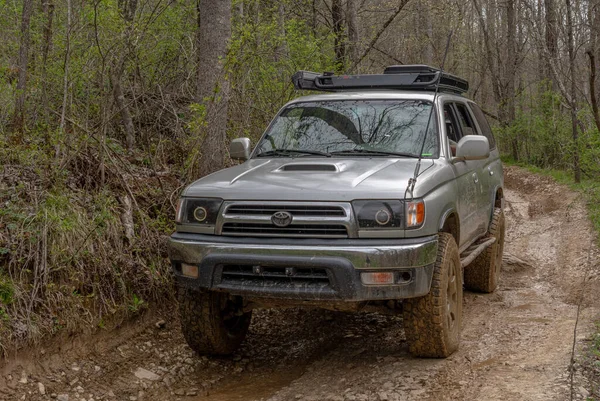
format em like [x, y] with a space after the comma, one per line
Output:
[516, 343]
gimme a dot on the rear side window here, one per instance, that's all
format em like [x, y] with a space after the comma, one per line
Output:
[483, 124]
[467, 126]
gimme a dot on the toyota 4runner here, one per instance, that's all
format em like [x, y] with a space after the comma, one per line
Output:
[385, 193]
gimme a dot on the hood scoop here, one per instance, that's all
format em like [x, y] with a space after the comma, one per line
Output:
[309, 167]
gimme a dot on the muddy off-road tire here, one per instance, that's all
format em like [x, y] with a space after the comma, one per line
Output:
[483, 273]
[432, 323]
[212, 322]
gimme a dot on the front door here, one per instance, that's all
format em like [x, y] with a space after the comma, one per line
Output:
[480, 167]
[468, 178]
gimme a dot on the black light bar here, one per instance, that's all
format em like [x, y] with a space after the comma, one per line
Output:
[399, 77]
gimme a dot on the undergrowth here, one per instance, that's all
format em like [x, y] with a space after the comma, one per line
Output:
[67, 263]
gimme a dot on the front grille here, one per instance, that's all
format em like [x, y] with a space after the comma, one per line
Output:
[295, 210]
[309, 219]
[293, 230]
[274, 275]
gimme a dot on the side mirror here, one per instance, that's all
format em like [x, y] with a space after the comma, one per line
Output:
[472, 147]
[240, 149]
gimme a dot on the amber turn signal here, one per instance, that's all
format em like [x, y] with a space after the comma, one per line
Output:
[415, 214]
[189, 270]
[377, 278]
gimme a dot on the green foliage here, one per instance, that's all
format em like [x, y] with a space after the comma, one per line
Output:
[136, 304]
[7, 291]
[264, 54]
[541, 129]
[542, 132]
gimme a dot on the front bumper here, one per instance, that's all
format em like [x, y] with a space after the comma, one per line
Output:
[304, 269]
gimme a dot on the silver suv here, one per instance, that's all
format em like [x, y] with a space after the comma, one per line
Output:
[384, 194]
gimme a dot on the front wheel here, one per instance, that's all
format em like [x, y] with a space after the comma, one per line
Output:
[212, 323]
[432, 323]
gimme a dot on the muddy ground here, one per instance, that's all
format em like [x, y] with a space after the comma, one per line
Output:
[517, 343]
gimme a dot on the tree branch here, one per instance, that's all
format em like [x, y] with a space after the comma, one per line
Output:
[373, 42]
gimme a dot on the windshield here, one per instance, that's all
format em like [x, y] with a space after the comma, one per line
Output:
[362, 127]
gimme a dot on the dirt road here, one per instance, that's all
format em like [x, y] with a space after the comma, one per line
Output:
[516, 343]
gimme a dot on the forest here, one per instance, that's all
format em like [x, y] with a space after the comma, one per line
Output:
[110, 108]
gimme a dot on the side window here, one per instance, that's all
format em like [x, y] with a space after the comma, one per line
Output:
[483, 124]
[451, 125]
[466, 123]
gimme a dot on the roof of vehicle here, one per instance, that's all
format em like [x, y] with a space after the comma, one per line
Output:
[374, 95]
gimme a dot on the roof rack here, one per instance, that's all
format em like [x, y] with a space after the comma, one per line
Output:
[400, 77]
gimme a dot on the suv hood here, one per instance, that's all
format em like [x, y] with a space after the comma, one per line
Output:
[310, 179]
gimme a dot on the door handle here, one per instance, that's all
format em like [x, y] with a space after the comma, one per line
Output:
[475, 178]
[491, 171]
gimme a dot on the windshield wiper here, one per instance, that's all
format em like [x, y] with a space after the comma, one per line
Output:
[369, 152]
[288, 152]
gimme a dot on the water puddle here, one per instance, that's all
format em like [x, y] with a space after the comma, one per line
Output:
[253, 387]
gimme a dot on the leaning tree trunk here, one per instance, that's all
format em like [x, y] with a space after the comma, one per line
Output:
[212, 36]
[18, 122]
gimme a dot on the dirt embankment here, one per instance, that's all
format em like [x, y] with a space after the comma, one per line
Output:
[516, 343]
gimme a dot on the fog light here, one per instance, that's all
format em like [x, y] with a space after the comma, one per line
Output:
[377, 278]
[189, 270]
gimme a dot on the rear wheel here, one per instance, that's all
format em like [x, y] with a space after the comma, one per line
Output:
[432, 323]
[483, 273]
[212, 323]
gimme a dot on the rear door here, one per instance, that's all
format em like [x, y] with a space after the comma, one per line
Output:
[493, 169]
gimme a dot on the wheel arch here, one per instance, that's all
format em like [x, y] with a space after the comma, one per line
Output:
[499, 197]
[450, 223]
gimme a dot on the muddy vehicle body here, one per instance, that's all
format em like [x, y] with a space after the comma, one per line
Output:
[330, 210]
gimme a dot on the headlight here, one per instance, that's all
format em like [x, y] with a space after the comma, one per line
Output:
[415, 214]
[198, 211]
[379, 214]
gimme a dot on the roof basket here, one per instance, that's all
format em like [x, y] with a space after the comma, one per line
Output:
[399, 77]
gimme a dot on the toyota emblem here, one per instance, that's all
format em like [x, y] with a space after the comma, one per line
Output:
[282, 219]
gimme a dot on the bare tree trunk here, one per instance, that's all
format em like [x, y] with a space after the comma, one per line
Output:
[511, 70]
[115, 79]
[48, 8]
[594, 21]
[212, 36]
[313, 20]
[18, 122]
[63, 113]
[426, 23]
[282, 49]
[593, 97]
[353, 35]
[551, 33]
[337, 17]
[128, 9]
[570, 45]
